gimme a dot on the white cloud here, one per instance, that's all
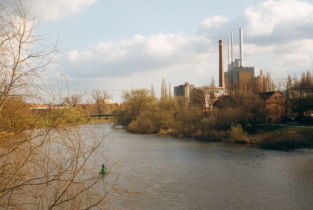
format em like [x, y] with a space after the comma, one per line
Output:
[266, 17]
[214, 22]
[212, 26]
[278, 21]
[197, 72]
[139, 54]
[279, 36]
[51, 10]
[139, 62]
[267, 23]
[281, 59]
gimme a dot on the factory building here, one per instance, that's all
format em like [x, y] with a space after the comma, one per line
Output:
[237, 73]
[237, 76]
[184, 90]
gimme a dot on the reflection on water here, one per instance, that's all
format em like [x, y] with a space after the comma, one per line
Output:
[169, 173]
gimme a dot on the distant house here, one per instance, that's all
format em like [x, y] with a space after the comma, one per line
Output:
[275, 105]
[39, 106]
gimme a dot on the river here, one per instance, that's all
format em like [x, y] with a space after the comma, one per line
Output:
[168, 173]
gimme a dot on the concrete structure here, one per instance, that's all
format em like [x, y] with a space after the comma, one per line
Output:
[231, 47]
[237, 73]
[211, 94]
[241, 47]
[183, 90]
[206, 96]
[221, 65]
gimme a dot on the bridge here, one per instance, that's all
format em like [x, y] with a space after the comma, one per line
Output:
[107, 115]
[101, 115]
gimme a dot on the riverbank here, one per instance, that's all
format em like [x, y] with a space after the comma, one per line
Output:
[60, 123]
[283, 137]
[286, 138]
[277, 137]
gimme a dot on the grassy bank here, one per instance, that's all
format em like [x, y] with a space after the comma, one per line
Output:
[274, 137]
[65, 117]
[288, 138]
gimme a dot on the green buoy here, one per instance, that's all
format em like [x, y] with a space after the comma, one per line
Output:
[103, 170]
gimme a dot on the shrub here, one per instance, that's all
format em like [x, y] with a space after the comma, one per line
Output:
[237, 134]
[188, 121]
[288, 139]
[142, 125]
[16, 116]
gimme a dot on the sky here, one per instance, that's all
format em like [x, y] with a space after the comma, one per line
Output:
[117, 45]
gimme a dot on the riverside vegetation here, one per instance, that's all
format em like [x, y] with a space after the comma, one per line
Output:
[241, 117]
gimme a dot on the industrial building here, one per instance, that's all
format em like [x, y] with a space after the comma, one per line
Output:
[237, 76]
[237, 73]
[184, 90]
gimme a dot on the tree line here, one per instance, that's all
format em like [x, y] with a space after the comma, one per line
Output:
[142, 112]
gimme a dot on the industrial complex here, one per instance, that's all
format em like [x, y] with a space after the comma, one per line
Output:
[237, 73]
[237, 76]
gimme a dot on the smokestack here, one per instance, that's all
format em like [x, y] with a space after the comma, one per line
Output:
[221, 64]
[241, 46]
[229, 61]
[231, 47]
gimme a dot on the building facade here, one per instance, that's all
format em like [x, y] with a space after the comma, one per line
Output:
[183, 90]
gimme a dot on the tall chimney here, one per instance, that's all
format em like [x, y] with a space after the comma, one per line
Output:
[221, 64]
[231, 47]
[229, 61]
[241, 46]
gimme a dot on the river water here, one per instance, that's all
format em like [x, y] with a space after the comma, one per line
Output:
[168, 173]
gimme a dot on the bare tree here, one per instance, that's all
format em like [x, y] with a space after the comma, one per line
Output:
[53, 170]
[101, 99]
[301, 94]
[73, 99]
[212, 84]
[164, 92]
[170, 90]
[152, 91]
[20, 61]
[40, 167]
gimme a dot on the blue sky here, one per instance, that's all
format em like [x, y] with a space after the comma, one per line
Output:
[114, 20]
[120, 45]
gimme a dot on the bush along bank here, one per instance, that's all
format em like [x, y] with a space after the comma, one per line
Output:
[235, 120]
[287, 139]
